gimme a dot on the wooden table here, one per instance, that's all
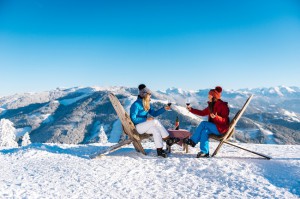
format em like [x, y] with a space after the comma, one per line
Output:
[181, 134]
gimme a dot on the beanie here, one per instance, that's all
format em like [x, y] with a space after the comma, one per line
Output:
[143, 90]
[216, 93]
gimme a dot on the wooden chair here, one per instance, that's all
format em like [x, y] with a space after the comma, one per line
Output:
[128, 128]
[225, 137]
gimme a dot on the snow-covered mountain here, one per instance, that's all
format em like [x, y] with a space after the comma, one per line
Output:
[75, 115]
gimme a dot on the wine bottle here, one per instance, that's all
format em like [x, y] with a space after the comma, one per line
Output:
[177, 124]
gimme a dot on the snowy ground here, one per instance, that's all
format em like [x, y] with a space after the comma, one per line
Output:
[65, 171]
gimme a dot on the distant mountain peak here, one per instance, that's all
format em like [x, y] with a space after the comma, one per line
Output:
[176, 90]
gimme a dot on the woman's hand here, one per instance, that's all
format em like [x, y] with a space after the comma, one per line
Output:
[167, 108]
[213, 115]
[150, 118]
[188, 108]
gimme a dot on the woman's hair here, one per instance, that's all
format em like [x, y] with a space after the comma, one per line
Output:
[211, 105]
[143, 92]
[146, 104]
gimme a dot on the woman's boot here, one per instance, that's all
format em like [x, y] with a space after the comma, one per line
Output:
[161, 152]
[171, 140]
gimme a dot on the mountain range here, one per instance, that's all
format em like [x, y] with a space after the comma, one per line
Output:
[75, 115]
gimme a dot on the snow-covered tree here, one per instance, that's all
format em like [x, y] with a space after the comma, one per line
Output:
[123, 136]
[26, 139]
[102, 136]
[7, 134]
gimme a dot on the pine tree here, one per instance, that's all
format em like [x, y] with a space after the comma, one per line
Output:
[26, 139]
[7, 134]
[102, 136]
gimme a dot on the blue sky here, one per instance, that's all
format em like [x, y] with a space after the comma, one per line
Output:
[185, 44]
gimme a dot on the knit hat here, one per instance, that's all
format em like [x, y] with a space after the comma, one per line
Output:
[216, 93]
[143, 90]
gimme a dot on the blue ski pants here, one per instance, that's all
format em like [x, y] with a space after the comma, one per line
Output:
[202, 135]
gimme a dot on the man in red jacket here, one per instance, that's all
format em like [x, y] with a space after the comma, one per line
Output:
[218, 121]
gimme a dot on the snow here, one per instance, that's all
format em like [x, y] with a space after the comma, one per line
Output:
[7, 134]
[102, 136]
[40, 118]
[95, 131]
[26, 140]
[2, 111]
[117, 130]
[185, 112]
[291, 115]
[290, 90]
[65, 171]
[269, 136]
[22, 100]
[19, 132]
[49, 118]
[67, 102]
[176, 90]
[276, 90]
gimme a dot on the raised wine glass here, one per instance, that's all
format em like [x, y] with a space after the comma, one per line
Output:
[188, 102]
[169, 104]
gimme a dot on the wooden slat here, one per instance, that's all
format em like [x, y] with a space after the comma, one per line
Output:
[232, 125]
[124, 117]
[127, 124]
[259, 154]
[110, 149]
[239, 115]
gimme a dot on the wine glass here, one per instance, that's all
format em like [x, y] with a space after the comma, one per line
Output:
[169, 104]
[188, 102]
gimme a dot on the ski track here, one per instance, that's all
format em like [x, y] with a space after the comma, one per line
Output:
[65, 171]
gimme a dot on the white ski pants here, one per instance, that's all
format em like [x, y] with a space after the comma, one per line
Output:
[155, 128]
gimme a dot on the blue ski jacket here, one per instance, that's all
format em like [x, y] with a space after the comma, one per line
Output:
[138, 113]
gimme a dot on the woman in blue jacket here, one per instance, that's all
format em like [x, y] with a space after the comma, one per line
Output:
[139, 111]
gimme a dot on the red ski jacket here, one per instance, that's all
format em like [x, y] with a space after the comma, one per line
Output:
[221, 111]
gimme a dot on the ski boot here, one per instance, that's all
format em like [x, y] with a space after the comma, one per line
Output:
[172, 141]
[161, 152]
[189, 142]
[202, 155]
